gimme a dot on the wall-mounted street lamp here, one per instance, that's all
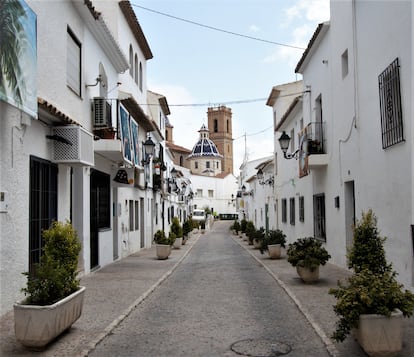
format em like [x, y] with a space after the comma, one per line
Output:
[149, 147]
[244, 192]
[284, 141]
[261, 179]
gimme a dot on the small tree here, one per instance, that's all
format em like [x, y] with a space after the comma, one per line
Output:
[243, 224]
[250, 231]
[176, 228]
[236, 226]
[55, 276]
[368, 251]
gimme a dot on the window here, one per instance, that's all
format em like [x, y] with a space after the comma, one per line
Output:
[43, 205]
[136, 69]
[211, 193]
[207, 164]
[137, 215]
[301, 209]
[100, 205]
[140, 76]
[196, 165]
[199, 192]
[73, 63]
[228, 126]
[292, 210]
[131, 61]
[319, 216]
[215, 125]
[284, 210]
[390, 105]
[217, 165]
[344, 62]
[131, 215]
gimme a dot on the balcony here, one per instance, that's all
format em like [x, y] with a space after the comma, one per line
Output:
[317, 155]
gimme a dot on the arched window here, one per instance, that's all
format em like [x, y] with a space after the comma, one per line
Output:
[140, 76]
[131, 61]
[136, 69]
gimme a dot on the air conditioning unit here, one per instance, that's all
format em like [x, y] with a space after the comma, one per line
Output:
[101, 113]
[72, 144]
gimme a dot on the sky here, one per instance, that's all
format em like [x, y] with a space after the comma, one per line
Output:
[196, 67]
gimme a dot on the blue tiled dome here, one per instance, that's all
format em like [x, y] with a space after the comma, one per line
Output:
[204, 146]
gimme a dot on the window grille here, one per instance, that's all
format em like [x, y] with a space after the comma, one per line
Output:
[301, 209]
[43, 205]
[284, 210]
[292, 210]
[390, 105]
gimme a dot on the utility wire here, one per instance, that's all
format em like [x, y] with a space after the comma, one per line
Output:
[217, 29]
[217, 104]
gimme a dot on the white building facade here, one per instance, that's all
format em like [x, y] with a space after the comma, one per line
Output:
[352, 131]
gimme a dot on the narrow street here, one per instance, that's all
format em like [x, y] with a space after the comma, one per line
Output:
[218, 302]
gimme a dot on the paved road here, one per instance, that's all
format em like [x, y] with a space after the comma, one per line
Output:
[219, 302]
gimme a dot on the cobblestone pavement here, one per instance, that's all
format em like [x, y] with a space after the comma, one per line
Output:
[115, 290]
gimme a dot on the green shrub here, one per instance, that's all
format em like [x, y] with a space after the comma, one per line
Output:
[273, 237]
[368, 293]
[243, 224]
[307, 252]
[236, 226]
[55, 276]
[176, 227]
[187, 227]
[367, 251]
[373, 289]
[160, 238]
[250, 231]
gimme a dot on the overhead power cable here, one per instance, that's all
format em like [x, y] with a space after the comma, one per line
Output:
[217, 29]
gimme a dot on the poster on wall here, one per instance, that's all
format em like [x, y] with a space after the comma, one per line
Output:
[135, 142]
[18, 54]
[303, 153]
[127, 149]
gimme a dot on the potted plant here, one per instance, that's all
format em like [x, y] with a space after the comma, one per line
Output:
[203, 226]
[259, 236]
[162, 245]
[187, 229]
[372, 304]
[307, 255]
[236, 227]
[250, 231]
[243, 224]
[177, 229]
[273, 243]
[54, 296]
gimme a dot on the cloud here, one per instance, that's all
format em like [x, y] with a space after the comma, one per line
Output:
[306, 14]
[254, 28]
[309, 10]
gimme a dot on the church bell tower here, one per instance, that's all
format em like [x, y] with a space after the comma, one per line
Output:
[221, 132]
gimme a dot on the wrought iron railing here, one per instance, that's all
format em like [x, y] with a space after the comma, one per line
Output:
[316, 138]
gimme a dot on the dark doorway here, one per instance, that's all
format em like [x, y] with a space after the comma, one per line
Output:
[43, 205]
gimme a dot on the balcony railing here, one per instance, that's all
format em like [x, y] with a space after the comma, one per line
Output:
[316, 138]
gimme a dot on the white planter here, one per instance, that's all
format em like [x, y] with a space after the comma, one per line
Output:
[163, 251]
[380, 335]
[275, 250]
[35, 326]
[178, 243]
[307, 275]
